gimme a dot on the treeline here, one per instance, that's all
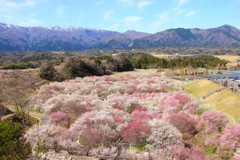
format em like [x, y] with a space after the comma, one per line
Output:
[96, 66]
[30, 60]
[67, 66]
[85, 66]
[38, 57]
[20, 66]
[147, 61]
[192, 50]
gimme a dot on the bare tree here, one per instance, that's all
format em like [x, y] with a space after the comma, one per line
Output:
[15, 90]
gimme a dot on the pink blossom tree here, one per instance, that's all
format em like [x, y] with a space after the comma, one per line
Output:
[212, 121]
[230, 140]
[60, 118]
[188, 152]
[184, 123]
[136, 132]
[163, 135]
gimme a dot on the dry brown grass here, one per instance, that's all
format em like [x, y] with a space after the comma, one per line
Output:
[230, 58]
[201, 88]
[167, 55]
[162, 55]
[227, 102]
[224, 101]
[16, 85]
[136, 72]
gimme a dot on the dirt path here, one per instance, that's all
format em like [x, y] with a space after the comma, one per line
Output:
[40, 118]
[212, 93]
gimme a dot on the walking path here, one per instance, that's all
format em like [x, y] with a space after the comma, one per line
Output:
[216, 91]
[35, 115]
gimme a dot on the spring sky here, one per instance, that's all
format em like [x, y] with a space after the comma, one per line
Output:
[121, 15]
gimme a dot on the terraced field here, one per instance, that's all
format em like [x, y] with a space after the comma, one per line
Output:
[201, 88]
[227, 102]
[230, 58]
[224, 101]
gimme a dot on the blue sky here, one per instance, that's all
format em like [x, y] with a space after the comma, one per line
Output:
[122, 15]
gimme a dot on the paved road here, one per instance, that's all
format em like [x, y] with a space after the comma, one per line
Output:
[232, 74]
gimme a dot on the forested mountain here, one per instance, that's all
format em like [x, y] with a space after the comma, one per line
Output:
[56, 38]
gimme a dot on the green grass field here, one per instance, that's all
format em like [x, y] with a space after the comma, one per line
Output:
[224, 101]
[201, 88]
[227, 102]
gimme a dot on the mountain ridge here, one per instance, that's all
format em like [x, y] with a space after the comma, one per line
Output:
[67, 38]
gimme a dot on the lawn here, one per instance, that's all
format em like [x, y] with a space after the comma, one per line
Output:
[201, 88]
[227, 102]
[224, 101]
[230, 58]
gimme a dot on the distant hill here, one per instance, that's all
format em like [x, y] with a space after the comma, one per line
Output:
[136, 35]
[56, 38]
[225, 35]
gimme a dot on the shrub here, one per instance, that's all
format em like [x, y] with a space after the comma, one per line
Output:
[12, 143]
[163, 134]
[188, 152]
[184, 123]
[19, 66]
[136, 132]
[119, 64]
[230, 140]
[59, 118]
[47, 71]
[103, 121]
[91, 137]
[46, 136]
[183, 98]
[82, 67]
[212, 121]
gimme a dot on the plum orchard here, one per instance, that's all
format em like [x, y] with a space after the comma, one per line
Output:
[148, 113]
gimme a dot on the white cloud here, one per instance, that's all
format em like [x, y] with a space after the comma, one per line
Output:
[99, 2]
[29, 21]
[10, 12]
[161, 20]
[184, 12]
[144, 3]
[164, 16]
[114, 27]
[127, 2]
[182, 2]
[60, 10]
[21, 21]
[107, 15]
[6, 18]
[9, 5]
[179, 10]
[132, 20]
[127, 22]
[81, 15]
[190, 13]
[136, 3]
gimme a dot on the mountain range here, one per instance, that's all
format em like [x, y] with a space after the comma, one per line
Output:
[56, 38]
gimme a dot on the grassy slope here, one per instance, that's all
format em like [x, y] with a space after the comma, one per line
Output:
[201, 87]
[225, 101]
[230, 58]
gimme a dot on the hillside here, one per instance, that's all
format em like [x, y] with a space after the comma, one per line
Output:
[225, 35]
[148, 117]
[224, 101]
[201, 88]
[56, 38]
